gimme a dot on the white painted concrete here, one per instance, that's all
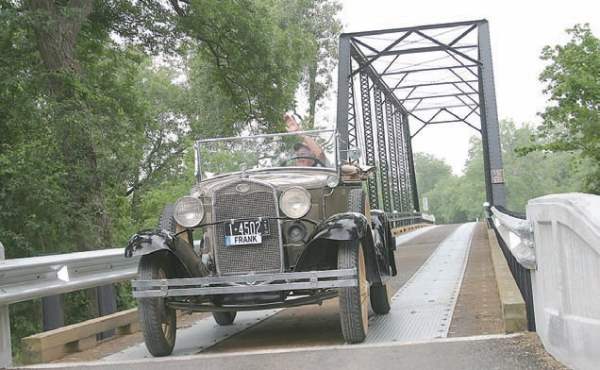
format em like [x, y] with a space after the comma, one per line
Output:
[566, 284]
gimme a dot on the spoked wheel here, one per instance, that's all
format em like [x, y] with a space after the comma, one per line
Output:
[354, 301]
[157, 320]
[224, 318]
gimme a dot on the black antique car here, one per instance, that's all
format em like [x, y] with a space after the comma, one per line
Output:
[266, 225]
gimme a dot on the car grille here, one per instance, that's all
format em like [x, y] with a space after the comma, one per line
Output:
[259, 200]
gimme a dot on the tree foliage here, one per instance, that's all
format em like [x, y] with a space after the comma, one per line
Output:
[455, 199]
[429, 171]
[571, 121]
[319, 18]
[100, 102]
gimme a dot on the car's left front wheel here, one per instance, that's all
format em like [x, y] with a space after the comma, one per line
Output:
[157, 320]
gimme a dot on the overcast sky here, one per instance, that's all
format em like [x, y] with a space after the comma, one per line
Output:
[519, 30]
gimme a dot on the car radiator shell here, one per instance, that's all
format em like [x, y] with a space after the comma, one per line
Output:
[247, 199]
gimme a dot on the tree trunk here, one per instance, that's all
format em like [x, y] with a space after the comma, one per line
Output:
[312, 94]
[135, 203]
[57, 28]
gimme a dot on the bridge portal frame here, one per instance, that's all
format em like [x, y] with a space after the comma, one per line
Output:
[377, 59]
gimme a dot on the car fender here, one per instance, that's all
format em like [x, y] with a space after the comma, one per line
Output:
[343, 230]
[161, 241]
[383, 238]
[343, 226]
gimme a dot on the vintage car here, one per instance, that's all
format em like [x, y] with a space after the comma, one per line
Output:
[264, 227]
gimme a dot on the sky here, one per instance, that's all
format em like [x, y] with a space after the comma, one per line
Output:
[519, 30]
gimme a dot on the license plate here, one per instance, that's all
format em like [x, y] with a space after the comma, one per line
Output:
[246, 232]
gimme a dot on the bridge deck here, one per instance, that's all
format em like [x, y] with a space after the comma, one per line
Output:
[430, 283]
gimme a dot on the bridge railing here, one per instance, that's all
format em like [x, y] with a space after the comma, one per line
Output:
[515, 238]
[562, 265]
[409, 218]
[23, 279]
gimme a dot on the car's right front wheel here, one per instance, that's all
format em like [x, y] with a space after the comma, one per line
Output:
[354, 301]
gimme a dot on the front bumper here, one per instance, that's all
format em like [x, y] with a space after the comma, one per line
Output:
[252, 283]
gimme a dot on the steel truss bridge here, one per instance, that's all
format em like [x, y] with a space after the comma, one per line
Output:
[394, 83]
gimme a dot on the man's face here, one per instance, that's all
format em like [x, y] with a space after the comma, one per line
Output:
[304, 162]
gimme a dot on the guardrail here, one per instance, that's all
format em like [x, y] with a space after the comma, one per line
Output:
[23, 279]
[517, 234]
[515, 238]
[409, 218]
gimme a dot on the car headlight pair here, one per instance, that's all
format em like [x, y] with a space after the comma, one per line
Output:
[294, 203]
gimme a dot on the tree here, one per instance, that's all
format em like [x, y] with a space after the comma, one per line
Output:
[460, 198]
[571, 121]
[319, 19]
[250, 56]
[537, 173]
[101, 101]
[252, 52]
[430, 171]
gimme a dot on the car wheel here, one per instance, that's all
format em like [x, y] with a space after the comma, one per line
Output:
[158, 321]
[354, 301]
[224, 318]
[380, 299]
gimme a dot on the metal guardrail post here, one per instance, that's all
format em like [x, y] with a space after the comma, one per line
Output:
[5, 346]
[107, 304]
[52, 312]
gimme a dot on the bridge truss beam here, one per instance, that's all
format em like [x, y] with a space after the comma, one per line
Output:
[433, 74]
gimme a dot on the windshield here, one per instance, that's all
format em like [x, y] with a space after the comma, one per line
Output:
[307, 149]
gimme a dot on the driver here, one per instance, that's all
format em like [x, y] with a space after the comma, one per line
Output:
[307, 149]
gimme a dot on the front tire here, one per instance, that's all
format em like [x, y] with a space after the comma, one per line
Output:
[354, 301]
[224, 318]
[158, 321]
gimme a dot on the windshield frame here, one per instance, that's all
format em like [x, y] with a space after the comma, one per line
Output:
[199, 142]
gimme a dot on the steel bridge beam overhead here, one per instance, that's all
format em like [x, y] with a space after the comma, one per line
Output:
[394, 83]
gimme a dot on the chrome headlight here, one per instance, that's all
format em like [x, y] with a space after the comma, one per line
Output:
[295, 202]
[189, 211]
